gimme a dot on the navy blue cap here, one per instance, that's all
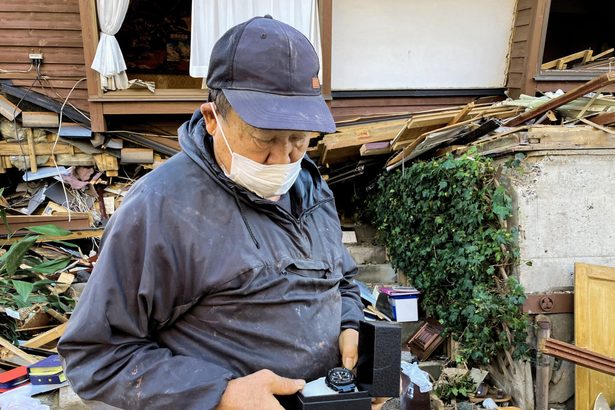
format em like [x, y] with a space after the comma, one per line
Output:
[268, 71]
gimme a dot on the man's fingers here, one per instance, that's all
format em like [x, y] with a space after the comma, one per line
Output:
[349, 347]
[349, 362]
[283, 386]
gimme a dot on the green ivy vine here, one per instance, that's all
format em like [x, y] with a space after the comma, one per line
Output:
[443, 223]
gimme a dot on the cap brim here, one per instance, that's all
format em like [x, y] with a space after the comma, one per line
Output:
[281, 112]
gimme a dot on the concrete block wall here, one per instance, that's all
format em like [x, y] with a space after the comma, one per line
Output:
[565, 211]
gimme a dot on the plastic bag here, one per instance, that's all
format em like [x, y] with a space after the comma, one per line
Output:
[22, 403]
[417, 376]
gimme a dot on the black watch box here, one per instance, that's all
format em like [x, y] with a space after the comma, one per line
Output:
[378, 372]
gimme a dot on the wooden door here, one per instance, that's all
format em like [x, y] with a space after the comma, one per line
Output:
[594, 327]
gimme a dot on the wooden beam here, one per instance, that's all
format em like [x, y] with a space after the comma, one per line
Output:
[598, 127]
[603, 54]
[375, 148]
[464, 111]
[40, 119]
[17, 351]
[326, 28]
[43, 101]
[89, 32]
[535, 44]
[47, 337]
[7, 109]
[74, 235]
[578, 355]
[42, 148]
[137, 156]
[571, 95]
[31, 150]
[561, 62]
[603, 118]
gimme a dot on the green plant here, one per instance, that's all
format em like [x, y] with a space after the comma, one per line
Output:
[443, 224]
[455, 388]
[25, 278]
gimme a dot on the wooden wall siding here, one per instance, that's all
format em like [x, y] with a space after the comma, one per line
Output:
[530, 19]
[54, 28]
[519, 47]
[348, 108]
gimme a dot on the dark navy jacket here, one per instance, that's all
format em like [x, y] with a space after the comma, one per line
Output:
[200, 281]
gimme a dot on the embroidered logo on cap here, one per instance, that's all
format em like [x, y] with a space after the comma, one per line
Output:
[315, 83]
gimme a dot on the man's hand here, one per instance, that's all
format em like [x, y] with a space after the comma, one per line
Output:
[378, 402]
[256, 391]
[349, 348]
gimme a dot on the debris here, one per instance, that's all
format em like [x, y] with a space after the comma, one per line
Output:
[7, 109]
[426, 339]
[586, 57]
[578, 355]
[17, 351]
[40, 119]
[592, 85]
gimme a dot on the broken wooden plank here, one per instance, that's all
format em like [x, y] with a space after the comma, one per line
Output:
[578, 355]
[464, 111]
[76, 221]
[74, 235]
[546, 138]
[598, 127]
[166, 146]
[571, 95]
[106, 162]
[137, 156]
[603, 54]
[419, 125]
[42, 148]
[447, 135]
[40, 119]
[31, 150]
[561, 63]
[603, 118]
[44, 102]
[17, 351]
[375, 148]
[346, 145]
[47, 337]
[56, 315]
[7, 109]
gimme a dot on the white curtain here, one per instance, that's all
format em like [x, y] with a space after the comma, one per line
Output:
[212, 18]
[109, 61]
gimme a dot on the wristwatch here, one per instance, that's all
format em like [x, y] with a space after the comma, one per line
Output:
[341, 380]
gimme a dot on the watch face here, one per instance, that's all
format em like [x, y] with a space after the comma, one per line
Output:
[340, 376]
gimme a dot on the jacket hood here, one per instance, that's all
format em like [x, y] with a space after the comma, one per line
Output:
[307, 191]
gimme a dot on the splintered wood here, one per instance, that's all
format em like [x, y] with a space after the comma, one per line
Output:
[346, 143]
[421, 124]
[36, 151]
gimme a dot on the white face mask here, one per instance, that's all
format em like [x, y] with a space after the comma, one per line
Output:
[266, 181]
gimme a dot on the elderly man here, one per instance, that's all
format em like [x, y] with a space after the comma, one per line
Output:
[222, 280]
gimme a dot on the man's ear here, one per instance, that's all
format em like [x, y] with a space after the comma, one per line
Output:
[210, 120]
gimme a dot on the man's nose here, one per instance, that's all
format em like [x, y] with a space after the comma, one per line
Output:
[281, 152]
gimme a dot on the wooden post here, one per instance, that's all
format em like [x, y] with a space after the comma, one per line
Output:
[326, 29]
[543, 364]
[89, 32]
[31, 150]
